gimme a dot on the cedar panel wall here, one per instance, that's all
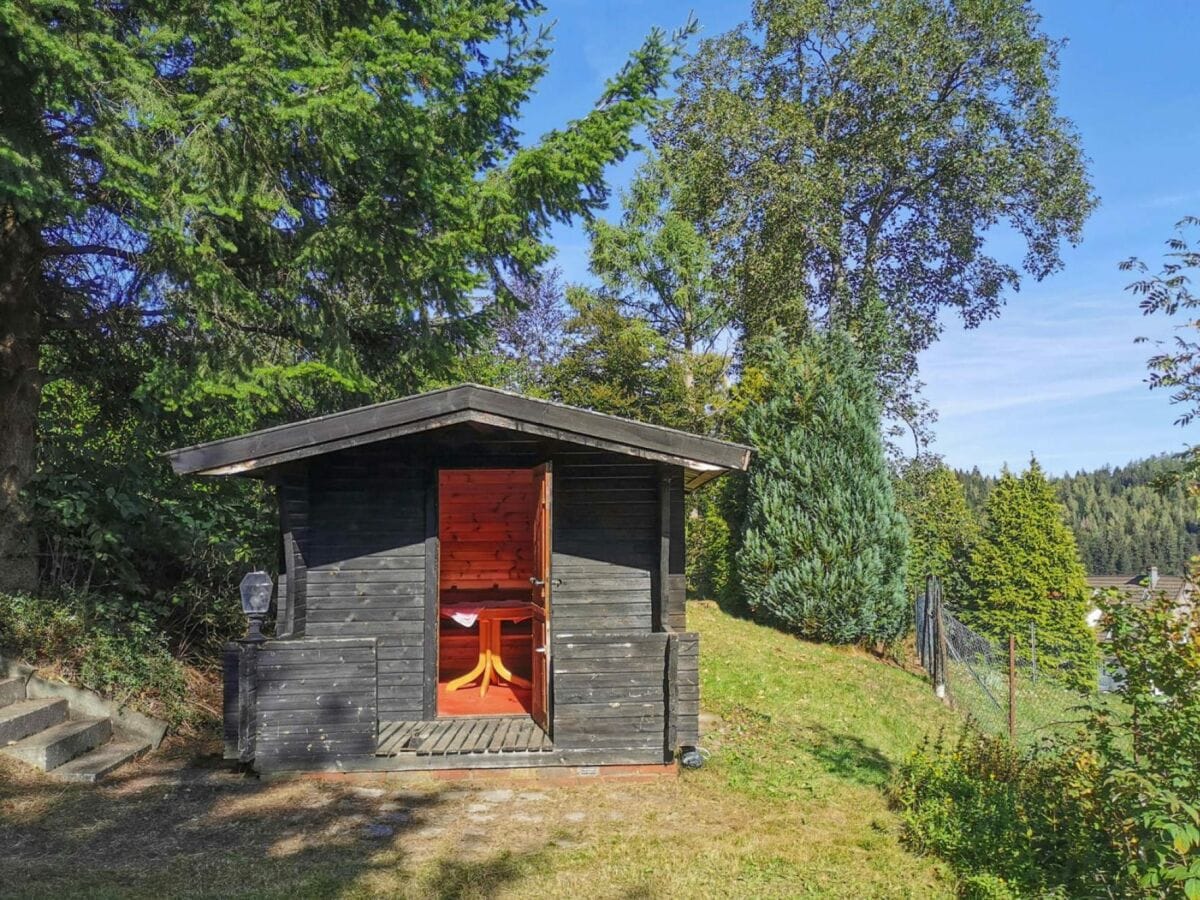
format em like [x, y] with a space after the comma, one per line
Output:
[485, 524]
[365, 564]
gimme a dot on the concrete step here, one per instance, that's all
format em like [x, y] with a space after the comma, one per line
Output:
[95, 764]
[26, 717]
[60, 743]
[11, 690]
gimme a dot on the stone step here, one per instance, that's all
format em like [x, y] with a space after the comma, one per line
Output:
[95, 764]
[26, 717]
[11, 690]
[60, 743]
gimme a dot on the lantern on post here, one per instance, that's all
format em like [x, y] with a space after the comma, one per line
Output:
[256, 589]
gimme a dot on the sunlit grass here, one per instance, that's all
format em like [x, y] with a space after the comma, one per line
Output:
[789, 804]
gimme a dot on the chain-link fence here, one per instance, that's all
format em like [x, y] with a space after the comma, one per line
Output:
[997, 683]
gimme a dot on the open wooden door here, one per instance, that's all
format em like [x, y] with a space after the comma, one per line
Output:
[540, 701]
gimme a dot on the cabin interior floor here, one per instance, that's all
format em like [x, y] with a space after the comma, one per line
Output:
[459, 654]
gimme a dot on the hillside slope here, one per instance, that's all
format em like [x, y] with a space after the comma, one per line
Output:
[788, 805]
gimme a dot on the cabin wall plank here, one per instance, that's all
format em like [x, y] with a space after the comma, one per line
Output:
[316, 701]
[605, 544]
[610, 691]
[366, 562]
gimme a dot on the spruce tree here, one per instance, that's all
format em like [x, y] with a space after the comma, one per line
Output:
[825, 546]
[1026, 569]
[941, 526]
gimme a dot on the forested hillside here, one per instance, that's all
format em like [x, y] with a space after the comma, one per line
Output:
[1122, 522]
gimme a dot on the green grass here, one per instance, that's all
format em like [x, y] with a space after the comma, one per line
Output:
[1045, 709]
[790, 804]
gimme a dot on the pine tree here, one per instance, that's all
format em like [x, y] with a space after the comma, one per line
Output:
[825, 546]
[941, 526]
[291, 199]
[1025, 569]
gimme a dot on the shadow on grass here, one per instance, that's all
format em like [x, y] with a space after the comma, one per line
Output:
[180, 828]
[459, 879]
[849, 757]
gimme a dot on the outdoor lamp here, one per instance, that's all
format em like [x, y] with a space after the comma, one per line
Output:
[256, 590]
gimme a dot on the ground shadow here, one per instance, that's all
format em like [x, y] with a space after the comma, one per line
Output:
[849, 757]
[186, 827]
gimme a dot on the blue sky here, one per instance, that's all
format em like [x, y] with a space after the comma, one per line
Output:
[1058, 373]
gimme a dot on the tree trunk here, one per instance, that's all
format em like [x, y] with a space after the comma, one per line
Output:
[20, 387]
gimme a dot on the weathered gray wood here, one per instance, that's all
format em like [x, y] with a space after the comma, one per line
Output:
[661, 612]
[438, 409]
[676, 575]
[671, 697]
[688, 713]
[294, 521]
[231, 692]
[336, 679]
[496, 744]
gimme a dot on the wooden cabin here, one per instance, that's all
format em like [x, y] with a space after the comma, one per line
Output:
[469, 578]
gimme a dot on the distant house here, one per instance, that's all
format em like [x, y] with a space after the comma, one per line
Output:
[1139, 588]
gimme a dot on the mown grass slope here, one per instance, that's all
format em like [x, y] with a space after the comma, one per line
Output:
[789, 805]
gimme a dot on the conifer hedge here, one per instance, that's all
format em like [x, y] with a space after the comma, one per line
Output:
[824, 546]
[1025, 569]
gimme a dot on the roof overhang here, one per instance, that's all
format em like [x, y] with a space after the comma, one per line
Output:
[250, 454]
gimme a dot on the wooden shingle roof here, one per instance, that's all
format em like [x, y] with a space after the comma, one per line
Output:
[704, 458]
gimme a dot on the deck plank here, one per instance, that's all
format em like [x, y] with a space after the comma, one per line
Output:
[464, 738]
[447, 737]
[496, 744]
[484, 737]
[513, 740]
[472, 742]
[468, 735]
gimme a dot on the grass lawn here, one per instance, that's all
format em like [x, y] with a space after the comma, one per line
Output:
[789, 804]
[1045, 709]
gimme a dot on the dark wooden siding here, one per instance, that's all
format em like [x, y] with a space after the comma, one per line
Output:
[605, 544]
[362, 547]
[609, 692]
[293, 521]
[685, 684]
[365, 556]
[316, 702]
[672, 552]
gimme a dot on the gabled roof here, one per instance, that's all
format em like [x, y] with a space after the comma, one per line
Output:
[705, 458]
[1135, 587]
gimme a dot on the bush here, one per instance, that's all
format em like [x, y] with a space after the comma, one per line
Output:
[1010, 824]
[1113, 812]
[825, 546]
[708, 539]
[128, 664]
[1025, 569]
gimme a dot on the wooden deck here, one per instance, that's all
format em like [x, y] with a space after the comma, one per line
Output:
[447, 737]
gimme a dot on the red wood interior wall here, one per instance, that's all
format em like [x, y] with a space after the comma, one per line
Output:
[485, 523]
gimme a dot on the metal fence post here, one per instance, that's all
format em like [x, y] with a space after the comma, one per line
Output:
[939, 640]
[1012, 688]
[1033, 650]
